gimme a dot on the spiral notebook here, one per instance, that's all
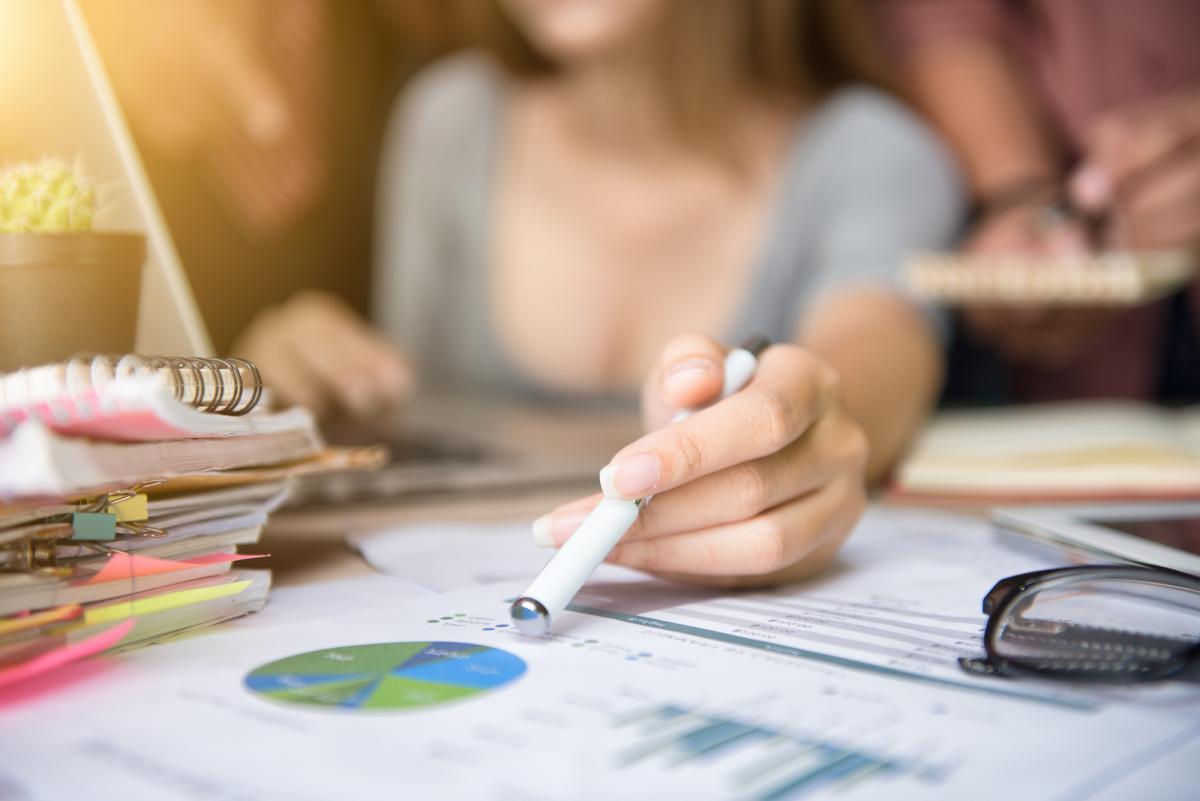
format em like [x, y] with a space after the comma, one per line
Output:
[135, 398]
[1105, 279]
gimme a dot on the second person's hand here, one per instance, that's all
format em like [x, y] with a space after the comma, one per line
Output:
[759, 488]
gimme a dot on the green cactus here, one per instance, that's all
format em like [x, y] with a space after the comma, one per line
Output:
[47, 196]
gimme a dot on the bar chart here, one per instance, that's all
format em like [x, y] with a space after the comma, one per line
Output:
[756, 761]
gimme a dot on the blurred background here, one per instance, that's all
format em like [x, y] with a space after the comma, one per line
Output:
[260, 124]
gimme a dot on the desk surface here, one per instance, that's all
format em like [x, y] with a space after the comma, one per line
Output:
[309, 545]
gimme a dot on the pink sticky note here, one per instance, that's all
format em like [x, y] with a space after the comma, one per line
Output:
[123, 566]
[66, 654]
[214, 558]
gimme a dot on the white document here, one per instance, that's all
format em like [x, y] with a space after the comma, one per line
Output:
[338, 598]
[840, 688]
[451, 556]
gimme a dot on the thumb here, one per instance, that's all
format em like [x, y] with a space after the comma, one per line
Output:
[689, 373]
[1091, 188]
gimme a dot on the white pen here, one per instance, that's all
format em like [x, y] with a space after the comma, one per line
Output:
[567, 571]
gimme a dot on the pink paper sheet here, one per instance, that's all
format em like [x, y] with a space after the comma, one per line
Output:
[84, 415]
[66, 654]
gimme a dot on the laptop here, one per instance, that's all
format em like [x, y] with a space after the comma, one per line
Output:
[454, 443]
[71, 111]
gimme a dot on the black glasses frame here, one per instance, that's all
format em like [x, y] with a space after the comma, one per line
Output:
[1008, 592]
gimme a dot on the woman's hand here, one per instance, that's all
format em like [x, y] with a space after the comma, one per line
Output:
[762, 487]
[316, 352]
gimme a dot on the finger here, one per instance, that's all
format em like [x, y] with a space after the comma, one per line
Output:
[1124, 145]
[267, 343]
[340, 361]
[813, 563]
[728, 496]
[290, 379]
[555, 527]
[791, 391]
[363, 372]
[1091, 188]
[830, 448]
[689, 374]
[766, 545]
[1165, 212]
[319, 339]
[1066, 239]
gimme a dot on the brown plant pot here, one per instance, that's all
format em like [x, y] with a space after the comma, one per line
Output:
[62, 294]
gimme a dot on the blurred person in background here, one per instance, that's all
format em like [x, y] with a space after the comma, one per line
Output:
[1092, 101]
[259, 122]
[598, 176]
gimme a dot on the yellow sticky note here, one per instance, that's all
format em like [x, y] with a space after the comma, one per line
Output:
[133, 510]
[160, 603]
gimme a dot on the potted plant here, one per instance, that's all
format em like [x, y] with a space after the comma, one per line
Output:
[64, 288]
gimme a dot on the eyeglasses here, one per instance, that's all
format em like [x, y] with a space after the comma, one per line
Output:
[1103, 623]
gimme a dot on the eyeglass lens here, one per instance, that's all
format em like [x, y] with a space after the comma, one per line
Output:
[1120, 626]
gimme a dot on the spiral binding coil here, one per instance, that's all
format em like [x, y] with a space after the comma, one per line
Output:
[204, 377]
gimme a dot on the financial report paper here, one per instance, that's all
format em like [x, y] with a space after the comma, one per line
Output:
[844, 687]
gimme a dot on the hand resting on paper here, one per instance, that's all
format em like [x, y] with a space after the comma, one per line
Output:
[316, 352]
[761, 487]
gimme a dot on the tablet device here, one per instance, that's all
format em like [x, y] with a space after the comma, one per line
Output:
[1159, 534]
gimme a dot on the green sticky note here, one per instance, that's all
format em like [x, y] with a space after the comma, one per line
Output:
[94, 526]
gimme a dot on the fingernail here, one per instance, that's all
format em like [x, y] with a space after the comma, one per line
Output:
[632, 478]
[683, 374]
[552, 530]
[541, 532]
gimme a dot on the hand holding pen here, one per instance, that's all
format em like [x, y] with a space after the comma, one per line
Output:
[758, 487]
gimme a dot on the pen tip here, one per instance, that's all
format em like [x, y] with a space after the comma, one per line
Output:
[529, 616]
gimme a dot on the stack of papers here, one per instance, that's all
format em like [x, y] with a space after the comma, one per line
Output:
[844, 687]
[121, 511]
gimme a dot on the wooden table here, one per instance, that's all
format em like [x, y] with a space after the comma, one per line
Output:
[307, 546]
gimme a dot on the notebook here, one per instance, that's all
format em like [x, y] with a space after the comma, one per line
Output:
[1105, 279]
[1077, 451]
[37, 462]
[139, 398]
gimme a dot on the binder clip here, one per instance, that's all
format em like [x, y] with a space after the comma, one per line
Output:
[93, 526]
[131, 508]
[38, 553]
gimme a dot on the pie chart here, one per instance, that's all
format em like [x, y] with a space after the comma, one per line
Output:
[386, 676]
